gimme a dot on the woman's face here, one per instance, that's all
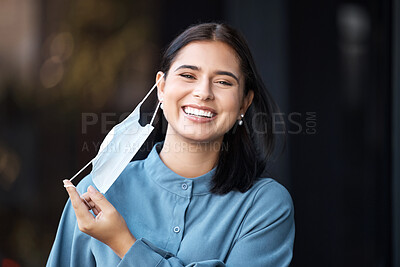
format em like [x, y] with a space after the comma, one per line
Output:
[203, 94]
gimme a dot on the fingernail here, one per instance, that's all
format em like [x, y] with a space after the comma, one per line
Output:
[91, 189]
[65, 181]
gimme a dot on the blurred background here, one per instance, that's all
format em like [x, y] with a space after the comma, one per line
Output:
[71, 69]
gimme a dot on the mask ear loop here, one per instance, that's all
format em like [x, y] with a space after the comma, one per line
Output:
[151, 122]
[151, 90]
[158, 104]
[155, 112]
[81, 170]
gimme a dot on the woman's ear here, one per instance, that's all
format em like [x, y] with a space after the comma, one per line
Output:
[247, 100]
[160, 85]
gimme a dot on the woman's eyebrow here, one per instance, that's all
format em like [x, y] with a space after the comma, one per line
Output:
[187, 67]
[228, 73]
[218, 72]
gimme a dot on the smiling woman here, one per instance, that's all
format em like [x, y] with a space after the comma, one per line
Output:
[202, 81]
[198, 198]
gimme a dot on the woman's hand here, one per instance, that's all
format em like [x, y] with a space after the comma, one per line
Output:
[107, 225]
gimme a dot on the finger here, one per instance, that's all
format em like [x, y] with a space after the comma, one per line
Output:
[86, 202]
[86, 196]
[95, 211]
[81, 210]
[100, 201]
[90, 202]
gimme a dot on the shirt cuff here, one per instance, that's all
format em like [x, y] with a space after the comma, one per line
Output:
[143, 253]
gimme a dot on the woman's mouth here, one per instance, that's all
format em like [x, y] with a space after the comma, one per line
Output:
[198, 114]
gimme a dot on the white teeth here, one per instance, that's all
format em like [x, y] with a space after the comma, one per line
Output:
[198, 112]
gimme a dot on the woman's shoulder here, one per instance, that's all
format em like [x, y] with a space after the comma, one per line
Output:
[267, 192]
[271, 214]
[271, 205]
[133, 167]
[85, 183]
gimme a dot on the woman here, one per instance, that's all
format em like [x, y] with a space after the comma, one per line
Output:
[197, 199]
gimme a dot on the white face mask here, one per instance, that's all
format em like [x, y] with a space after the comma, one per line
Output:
[119, 146]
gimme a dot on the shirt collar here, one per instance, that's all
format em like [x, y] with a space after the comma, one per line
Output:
[169, 180]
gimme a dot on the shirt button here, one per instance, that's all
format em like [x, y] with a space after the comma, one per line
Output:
[184, 186]
[176, 229]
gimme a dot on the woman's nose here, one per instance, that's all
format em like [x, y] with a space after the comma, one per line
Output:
[203, 90]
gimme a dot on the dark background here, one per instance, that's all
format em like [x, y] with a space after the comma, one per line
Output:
[70, 70]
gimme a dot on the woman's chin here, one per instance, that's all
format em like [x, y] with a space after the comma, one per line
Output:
[194, 134]
[200, 138]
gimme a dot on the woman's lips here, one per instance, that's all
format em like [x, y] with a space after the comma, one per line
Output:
[199, 113]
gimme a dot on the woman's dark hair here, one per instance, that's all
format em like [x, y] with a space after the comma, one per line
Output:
[247, 148]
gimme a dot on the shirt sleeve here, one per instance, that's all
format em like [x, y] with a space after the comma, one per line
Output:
[143, 253]
[265, 239]
[267, 235]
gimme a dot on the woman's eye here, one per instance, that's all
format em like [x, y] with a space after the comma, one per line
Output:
[187, 76]
[225, 83]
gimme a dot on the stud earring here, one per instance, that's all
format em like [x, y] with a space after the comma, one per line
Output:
[241, 120]
[161, 105]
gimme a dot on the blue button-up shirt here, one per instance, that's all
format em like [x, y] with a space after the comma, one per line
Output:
[178, 222]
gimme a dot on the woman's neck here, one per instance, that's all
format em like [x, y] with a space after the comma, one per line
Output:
[189, 159]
